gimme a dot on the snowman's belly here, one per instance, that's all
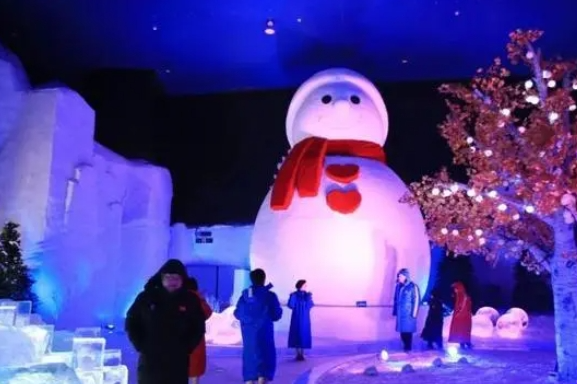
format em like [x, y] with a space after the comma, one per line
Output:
[346, 258]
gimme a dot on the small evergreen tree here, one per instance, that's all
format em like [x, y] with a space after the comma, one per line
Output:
[15, 279]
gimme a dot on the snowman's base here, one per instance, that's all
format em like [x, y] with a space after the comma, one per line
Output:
[353, 324]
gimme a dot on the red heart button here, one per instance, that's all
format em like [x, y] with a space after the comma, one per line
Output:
[343, 173]
[344, 202]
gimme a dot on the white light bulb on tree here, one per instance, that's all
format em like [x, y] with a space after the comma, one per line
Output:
[473, 149]
[488, 152]
[454, 232]
[522, 129]
[506, 112]
[547, 74]
[516, 216]
[575, 85]
[470, 140]
[478, 198]
[471, 192]
[528, 84]
[530, 209]
[572, 107]
[529, 55]
[551, 83]
[492, 194]
[532, 99]
[447, 193]
[482, 241]
[478, 232]
[502, 207]
[435, 191]
[454, 187]
[444, 231]
[553, 116]
[568, 200]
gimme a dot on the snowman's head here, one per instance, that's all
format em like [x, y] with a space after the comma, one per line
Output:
[337, 104]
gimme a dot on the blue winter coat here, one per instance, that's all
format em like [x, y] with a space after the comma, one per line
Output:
[300, 330]
[257, 309]
[406, 306]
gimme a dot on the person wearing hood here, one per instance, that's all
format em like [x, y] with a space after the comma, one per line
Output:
[406, 308]
[165, 324]
[300, 335]
[257, 309]
[462, 322]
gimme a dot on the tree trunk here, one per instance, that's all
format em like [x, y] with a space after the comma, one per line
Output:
[564, 283]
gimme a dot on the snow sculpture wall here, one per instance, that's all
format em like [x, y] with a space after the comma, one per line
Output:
[95, 225]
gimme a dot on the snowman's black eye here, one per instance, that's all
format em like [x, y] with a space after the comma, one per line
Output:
[326, 99]
[355, 99]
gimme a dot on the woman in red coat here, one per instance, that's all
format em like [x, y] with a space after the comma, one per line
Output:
[462, 317]
[197, 364]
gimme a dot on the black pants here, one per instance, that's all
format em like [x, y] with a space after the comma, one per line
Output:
[407, 339]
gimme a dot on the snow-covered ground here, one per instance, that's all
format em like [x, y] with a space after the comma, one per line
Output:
[483, 367]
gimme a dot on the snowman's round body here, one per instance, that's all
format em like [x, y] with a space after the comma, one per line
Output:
[350, 237]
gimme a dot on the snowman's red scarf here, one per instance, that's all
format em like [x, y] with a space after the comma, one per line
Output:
[303, 168]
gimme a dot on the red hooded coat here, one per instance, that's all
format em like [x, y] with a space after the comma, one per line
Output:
[462, 316]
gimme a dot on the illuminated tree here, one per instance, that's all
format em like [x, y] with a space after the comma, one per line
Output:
[518, 143]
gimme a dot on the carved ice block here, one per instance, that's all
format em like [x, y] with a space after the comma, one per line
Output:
[58, 357]
[95, 376]
[116, 375]
[112, 357]
[8, 312]
[88, 353]
[87, 332]
[41, 336]
[23, 312]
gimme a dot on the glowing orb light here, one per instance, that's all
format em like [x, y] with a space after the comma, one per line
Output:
[482, 326]
[521, 314]
[453, 351]
[384, 355]
[489, 312]
[509, 326]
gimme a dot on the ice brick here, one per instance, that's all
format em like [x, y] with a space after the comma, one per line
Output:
[8, 312]
[87, 332]
[116, 375]
[16, 348]
[23, 313]
[95, 376]
[58, 357]
[40, 374]
[88, 353]
[112, 357]
[41, 337]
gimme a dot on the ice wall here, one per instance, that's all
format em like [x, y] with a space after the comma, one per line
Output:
[95, 226]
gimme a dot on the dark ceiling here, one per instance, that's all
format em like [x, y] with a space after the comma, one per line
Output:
[200, 46]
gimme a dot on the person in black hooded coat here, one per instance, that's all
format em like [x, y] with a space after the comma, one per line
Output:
[164, 324]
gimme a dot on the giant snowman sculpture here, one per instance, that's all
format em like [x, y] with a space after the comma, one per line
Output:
[333, 215]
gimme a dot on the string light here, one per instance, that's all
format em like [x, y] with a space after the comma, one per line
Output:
[506, 112]
[454, 188]
[471, 192]
[502, 207]
[528, 84]
[435, 191]
[482, 241]
[553, 116]
[532, 99]
[454, 232]
[551, 83]
[478, 232]
[522, 129]
[470, 140]
[444, 231]
[572, 107]
[488, 152]
[446, 193]
[516, 216]
[547, 74]
[492, 194]
[478, 198]
[529, 209]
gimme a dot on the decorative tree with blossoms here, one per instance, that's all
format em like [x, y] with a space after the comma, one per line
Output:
[518, 143]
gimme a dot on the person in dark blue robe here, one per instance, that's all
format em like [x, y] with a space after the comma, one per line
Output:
[406, 308]
[257, 309]
[300, 302]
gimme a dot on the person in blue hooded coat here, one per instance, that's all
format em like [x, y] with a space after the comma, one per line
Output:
[406, 308]
[300, 302]
[257, 309]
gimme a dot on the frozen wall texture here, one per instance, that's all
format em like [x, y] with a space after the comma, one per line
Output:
[95, 226]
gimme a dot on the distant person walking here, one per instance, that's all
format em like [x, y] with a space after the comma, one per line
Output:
[197, 367]
[300, 302]
[165, 324]
[406, 308]
[462, 322]
[257, 309]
